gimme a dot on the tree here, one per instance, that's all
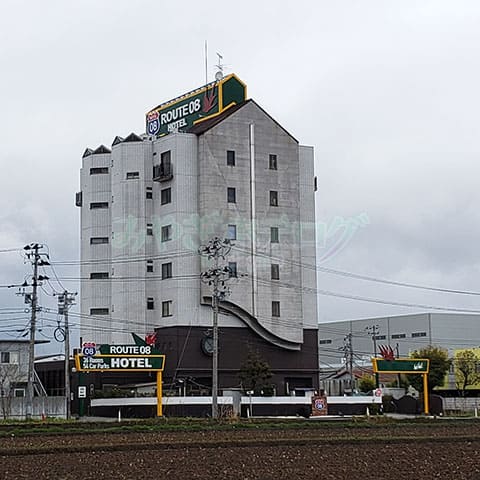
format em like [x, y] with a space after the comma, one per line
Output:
[466, 369]
[255, 373]
[366, 383]
[439, 366]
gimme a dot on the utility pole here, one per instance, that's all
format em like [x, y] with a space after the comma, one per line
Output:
[216, 277]
[66, 300]
[348, 349]
[35, 257]
[373, 330]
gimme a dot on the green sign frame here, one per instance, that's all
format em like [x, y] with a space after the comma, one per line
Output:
[401, 365]
[196, 106]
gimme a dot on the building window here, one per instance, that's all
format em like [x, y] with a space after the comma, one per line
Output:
[149, 266]
[272, 162]
[150, 303]
[273, 198]
[98, 275]
[275, 271]
[273, 234]
[231, 195]
[167, 308]
[98, 170]
[324, 342]
[132, 175]
[166, 196]
[419, 334]
[149, 193]
[398, 335]
[166, 270]
[275, 308]
[99, 311]
[231, 158]
[166, 233]
[232, 267]
[5, 357]
[232, 232]
[149, 228]
[98, 240]
[166, 158]
[95, 205]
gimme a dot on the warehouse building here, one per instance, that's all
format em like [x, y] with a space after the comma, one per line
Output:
[404, 333]
[212, 163]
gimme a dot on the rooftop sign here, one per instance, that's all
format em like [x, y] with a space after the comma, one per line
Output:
[196, 106]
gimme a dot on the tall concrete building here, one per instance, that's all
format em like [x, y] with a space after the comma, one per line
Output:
[212, 163]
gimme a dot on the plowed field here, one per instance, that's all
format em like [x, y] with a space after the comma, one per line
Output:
[440, 449]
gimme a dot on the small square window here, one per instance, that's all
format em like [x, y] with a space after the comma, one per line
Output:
[149, 193]
[166, 233]
[166, 196]
[273, 234]
[5, 357]
[150, 303]
[272, 162]
[149, 266]
[232, 232]
[231, 195]
[166, 270]
[99, 311]
[98, 170]
[231, 158]
[98, 275]
[232, 267]
[149, 228]
[167, 308]
[98, 240]
[273, 198]
[275, 271]
[275, 308]
[132, 175]
[98, 205]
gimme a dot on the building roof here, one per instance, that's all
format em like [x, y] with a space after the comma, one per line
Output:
[203, 126]
[23, 340]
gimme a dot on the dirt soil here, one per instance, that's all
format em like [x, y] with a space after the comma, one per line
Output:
[426, 451]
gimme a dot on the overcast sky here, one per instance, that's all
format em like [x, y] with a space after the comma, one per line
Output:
[386, 91]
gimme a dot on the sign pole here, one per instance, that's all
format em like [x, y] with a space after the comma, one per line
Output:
[159, 394]
[425, 393]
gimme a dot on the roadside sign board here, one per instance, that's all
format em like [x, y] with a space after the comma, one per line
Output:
[120, 358]
[401, 365]
[120, 363]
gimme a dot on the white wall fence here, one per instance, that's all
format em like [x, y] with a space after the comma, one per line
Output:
[15, 408]
[460, 404]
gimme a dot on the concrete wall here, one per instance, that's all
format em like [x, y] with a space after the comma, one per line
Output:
[42, 407]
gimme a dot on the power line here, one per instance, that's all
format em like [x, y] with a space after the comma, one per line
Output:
[360, 276]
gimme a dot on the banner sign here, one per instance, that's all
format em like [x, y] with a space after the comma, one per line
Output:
[115, 358]
[401, 365]
[206, 102]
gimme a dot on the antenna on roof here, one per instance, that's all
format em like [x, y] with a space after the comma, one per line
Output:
[206, 63]
[220, 65]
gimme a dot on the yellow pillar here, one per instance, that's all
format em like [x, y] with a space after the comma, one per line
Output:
[159, 394]
[425, 393]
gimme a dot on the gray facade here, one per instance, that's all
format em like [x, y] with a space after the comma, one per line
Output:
[148, 204]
